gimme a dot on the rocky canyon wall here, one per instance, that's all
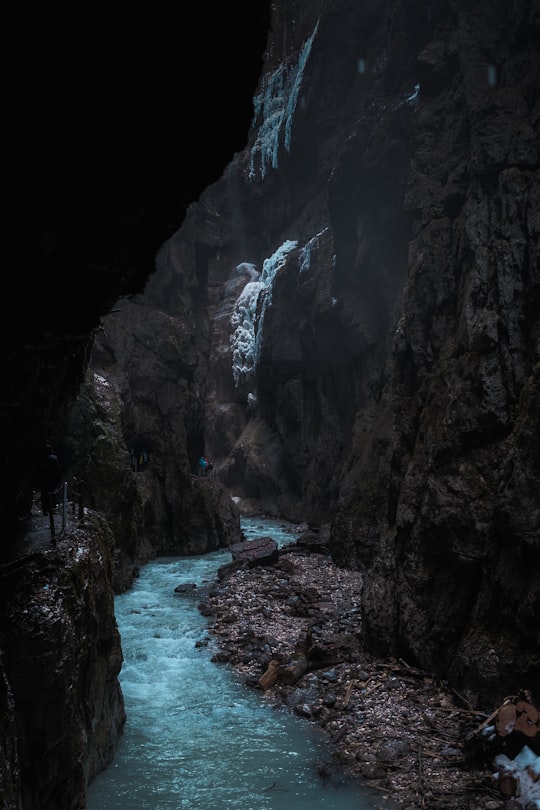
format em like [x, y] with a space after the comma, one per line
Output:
[395, 388]
[61, 658]
[362, 292]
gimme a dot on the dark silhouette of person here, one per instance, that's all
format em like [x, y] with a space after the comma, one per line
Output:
[49, 480]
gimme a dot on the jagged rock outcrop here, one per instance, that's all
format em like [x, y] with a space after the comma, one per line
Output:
[60, 663]
[129, 438]
[364, 283]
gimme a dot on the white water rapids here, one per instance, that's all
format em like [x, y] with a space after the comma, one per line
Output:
[197, 738]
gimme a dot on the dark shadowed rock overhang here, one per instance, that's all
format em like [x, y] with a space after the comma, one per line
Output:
[117, 121]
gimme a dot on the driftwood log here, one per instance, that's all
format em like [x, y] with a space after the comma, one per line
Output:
[270, 677]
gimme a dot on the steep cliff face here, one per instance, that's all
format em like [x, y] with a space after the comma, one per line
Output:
[446, 584]
[61, 659]
[397, 366]
[365, 287]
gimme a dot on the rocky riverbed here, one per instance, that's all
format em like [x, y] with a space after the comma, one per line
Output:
[291, 625]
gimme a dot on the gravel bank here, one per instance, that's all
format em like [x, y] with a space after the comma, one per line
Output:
[293, 631]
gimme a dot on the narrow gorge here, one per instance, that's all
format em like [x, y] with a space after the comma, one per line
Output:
[338, 303]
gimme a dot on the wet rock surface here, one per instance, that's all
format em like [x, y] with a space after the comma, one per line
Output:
[61, 651]
[294, 631]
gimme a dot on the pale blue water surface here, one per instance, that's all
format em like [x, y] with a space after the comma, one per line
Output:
[197, 738]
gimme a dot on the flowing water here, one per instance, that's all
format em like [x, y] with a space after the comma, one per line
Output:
[196, 738]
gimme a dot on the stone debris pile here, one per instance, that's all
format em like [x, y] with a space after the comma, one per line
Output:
[293, 630]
